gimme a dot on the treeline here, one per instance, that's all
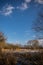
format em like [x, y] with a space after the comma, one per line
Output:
[32, 44]
[4, 44]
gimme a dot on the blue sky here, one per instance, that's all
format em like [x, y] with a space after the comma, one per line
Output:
[16, 19]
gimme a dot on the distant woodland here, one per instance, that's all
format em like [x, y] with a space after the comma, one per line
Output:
[32, 44]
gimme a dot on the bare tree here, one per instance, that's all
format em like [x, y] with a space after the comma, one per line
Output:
[2, 37]
[33, 44]
[38, 25]
[2, 40]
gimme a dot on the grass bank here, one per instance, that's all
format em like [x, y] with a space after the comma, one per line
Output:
[21, 58]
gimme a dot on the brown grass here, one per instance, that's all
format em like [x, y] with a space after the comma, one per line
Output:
[21, 58]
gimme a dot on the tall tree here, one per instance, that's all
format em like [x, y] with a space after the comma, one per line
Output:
[38, 25]
[2, 40]
[2, 37]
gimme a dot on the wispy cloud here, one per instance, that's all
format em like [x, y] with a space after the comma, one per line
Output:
[7, 10]
[23, 6]
[39, 1]
[27, 1]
